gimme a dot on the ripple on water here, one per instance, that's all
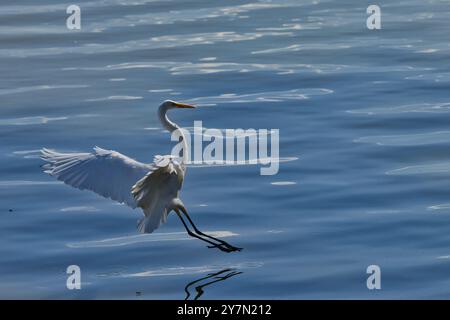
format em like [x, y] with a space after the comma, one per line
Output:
[258, 97]
[188, 68]
[300, 47]
[159, 42]
[79, 209]
[26, 183]
[443, 206]
[40, 88]
[47, 8]
[294, 26]
[117, 79]
[208, 59]
[140, 19]
[436, 77]
[436, 168]
[410, 108]
[408, 139]
[160, 90]
[29, 120]
[140, 238]
[283, 183]
[175, 271]
[39, 120]
[115, 98]
[210, 67]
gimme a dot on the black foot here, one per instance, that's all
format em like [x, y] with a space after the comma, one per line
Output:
[225, 247]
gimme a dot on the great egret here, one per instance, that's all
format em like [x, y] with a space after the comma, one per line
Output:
[153, 187]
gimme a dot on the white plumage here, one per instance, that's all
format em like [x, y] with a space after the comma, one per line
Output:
[153, 187]
[106, 172]
[155, 194]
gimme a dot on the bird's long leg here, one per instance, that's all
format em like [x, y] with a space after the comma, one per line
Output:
[192, 234]
[226, 244]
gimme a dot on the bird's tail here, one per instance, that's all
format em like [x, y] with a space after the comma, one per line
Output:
[147, 196]
[150, 223]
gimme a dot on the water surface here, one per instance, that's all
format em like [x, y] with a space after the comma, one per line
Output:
[363, 115]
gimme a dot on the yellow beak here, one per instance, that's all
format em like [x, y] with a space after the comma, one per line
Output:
[183, 105]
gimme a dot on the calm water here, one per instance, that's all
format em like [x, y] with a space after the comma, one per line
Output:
[363, 116]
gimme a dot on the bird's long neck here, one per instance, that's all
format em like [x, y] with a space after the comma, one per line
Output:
[172, 126]
[169, 125]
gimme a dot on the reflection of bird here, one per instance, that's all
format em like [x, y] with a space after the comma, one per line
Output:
[217, 277]
[153, 187]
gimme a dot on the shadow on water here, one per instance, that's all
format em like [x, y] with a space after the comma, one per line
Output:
[213, 277]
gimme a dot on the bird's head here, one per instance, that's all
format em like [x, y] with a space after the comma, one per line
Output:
[164, 107]
[170, 104]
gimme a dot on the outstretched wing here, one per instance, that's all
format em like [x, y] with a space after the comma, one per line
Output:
[106, 172]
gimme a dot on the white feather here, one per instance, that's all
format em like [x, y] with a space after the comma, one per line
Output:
[155, 193]
[106, 172]
[152, 187]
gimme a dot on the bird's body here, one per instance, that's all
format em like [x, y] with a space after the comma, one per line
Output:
[153, 187]
[157, 194]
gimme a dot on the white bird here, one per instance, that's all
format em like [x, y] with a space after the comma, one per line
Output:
[153, 187]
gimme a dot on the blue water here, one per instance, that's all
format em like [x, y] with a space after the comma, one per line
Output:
[363, 116]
